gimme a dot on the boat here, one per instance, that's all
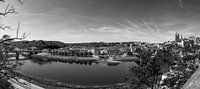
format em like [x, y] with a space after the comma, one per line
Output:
[113, 63]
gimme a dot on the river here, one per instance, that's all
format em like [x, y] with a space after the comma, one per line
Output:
[80, 74]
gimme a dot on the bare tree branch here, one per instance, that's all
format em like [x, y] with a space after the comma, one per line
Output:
[25, 35]
[21, 1]
[4, 27]
[10, 39]
[9, 9]
[2, 0]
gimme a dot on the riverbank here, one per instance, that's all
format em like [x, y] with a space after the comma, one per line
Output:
[84, 59]
[65, 58]
[127, 59]
[52, 84]
[23, 84]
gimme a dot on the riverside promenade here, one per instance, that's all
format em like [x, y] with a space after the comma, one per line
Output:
[194, 81]
[26, 84]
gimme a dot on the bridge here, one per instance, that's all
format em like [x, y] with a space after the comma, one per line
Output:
[25, 52]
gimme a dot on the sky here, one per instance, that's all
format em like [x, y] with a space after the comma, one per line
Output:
[105, 20]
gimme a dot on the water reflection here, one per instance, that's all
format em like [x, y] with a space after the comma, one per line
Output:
[40, 62]
[43, 62]
[83, 73]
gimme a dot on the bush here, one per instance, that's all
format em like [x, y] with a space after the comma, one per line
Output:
[4, 84]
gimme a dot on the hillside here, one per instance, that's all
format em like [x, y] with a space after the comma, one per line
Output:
[57, 44]
[39, 44]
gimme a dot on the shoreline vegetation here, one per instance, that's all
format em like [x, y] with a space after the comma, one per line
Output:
[65, 58]
[83, 59]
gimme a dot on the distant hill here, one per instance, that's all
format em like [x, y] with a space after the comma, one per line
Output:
[57, 44]
[39, 44]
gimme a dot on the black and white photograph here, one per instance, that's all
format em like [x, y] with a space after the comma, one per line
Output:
[99, 44]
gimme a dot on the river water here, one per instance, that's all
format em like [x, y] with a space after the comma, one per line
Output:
[81, 74]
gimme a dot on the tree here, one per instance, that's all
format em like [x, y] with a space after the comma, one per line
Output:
[6, 68]
[150, 70]
[182, 73]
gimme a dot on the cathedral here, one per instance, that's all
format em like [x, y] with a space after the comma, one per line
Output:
[178, 37]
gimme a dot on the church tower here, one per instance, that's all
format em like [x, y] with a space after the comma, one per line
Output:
[177, 37]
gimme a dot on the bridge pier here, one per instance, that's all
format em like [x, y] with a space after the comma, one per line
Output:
[27, 52]
[32, 53]
[17, 55]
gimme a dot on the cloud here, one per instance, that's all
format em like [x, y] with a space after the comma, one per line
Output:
[181, 3]
[31, 14]
[106, 29]
[144, 26]
[79, 23]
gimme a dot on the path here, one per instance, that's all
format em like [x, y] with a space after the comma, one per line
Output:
[18, 85]
[194, 81]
